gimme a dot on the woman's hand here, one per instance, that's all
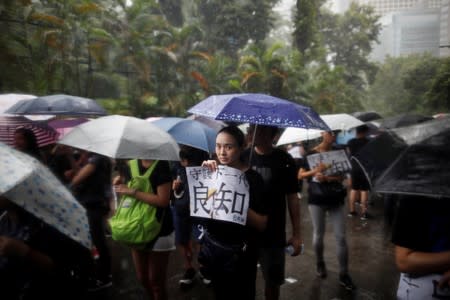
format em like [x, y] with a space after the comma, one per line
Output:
[210, 164]
[123, 189]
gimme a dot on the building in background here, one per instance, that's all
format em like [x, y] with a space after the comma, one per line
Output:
[444, 40]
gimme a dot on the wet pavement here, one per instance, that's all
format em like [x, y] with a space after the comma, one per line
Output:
[371, 267]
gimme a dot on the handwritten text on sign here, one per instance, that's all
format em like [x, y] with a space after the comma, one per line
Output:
[221, 195]
[337, 161]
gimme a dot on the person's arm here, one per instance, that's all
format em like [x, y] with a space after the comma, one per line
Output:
[161, 199]
[256, 220]
[13, 247]
[445, 280]
[84, 173]
[421, 263]
[294, 213]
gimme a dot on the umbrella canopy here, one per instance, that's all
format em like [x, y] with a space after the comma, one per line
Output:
[29, 184]
[422, 169]
[381, 153]
[214, 124]
[123, 137]
[258, 109]
[189, 132]
[366, 116]
[417, 133]
[67, 105]
[342, 122]
[64, 126]
[403, 120]
[45, 135]
[293, 135]
[8, 100]
[378, 154]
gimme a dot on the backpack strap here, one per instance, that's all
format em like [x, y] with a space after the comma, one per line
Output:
[134, 168]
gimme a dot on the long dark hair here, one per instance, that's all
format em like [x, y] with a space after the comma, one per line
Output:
[238, 135]
[235, 132]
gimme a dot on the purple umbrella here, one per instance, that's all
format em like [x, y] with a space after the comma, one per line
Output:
[258, 109]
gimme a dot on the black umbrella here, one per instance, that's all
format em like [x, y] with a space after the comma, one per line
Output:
[378, 154]
[66, 105]
[366, 116]
[403, 120]
[422, 169]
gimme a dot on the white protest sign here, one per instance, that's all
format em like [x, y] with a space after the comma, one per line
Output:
[222, 195]
[337, 162]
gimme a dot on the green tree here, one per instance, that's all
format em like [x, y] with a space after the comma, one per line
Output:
[349, 39]
[262, 70]
[229, 25]
[438, 96]
[305, 34]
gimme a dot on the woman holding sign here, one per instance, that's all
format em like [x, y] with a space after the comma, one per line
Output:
[229, 245]
[326, 195]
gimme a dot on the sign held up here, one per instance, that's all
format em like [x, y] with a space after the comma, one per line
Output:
[337, 161]
[221, 195]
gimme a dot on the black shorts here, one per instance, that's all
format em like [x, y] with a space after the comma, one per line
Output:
[359, 180]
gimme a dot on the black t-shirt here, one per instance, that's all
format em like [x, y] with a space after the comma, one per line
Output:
[355, 144]
[422, 224]
[233, 233]
[96, 189]
[279, 173]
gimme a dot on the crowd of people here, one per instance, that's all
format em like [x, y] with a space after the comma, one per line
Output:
[223, 253]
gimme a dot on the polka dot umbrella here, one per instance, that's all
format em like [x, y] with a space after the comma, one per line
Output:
[29, 184]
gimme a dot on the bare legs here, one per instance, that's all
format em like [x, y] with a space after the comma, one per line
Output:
[151, 271]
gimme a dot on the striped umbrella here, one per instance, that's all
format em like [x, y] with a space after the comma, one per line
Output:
[45, 135]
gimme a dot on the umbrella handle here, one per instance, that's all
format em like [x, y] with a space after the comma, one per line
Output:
[251, 146]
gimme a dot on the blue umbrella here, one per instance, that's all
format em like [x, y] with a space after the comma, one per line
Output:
[189, 132]
[258, 109]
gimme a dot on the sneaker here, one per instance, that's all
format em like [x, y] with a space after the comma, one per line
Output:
[188, 277]
[321, 270]
[365, 216]
[346, 281]
[204, 276]
[352, 214]
[97, 285]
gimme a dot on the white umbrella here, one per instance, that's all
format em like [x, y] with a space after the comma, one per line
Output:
[341, 121]
[294, 135]
[29, 184]
[123, 137]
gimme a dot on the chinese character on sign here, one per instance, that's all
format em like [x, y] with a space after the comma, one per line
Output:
[222, 195]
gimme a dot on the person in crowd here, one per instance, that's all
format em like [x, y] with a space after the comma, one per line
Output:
[25, 141]
[421, 235]
[320, 206]
[359, 184]
[62, 163]
[233, 272]
[37, 261]
[278, 171]
[151, 261]
[184, 224]
[91, 186]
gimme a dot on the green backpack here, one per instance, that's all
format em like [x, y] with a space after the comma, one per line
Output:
[135, 223]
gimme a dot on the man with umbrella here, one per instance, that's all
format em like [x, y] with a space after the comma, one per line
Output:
[279, 173]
